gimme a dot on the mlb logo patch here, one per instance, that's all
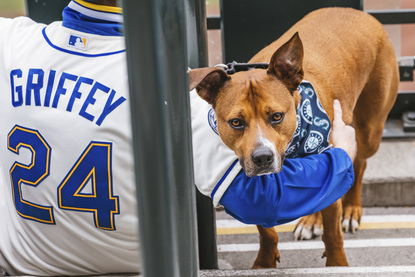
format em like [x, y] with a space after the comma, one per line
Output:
[78, 42]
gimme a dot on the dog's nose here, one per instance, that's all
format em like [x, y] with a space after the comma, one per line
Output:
[262, 157]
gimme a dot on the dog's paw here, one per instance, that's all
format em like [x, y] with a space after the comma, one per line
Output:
[309, 227]
[350, 225]
[302, 232]
[267, 258]
[351, 218]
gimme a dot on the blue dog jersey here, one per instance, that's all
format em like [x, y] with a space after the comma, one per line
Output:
[312, 134]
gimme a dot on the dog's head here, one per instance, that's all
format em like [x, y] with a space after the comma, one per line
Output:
[256, 109]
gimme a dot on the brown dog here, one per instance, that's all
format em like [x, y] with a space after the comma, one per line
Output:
[345, 54]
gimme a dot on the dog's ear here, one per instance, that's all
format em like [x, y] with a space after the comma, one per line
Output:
[207, 82]
[287, 63]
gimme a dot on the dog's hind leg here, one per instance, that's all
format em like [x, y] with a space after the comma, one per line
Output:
[369, 116]
[369, 129]
[369, 120]
[268, 254]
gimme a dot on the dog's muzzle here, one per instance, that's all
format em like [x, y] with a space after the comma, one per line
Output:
[263, 161]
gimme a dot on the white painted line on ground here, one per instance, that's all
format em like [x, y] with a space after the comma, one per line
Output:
[388, 218]
[310, 271]
[308, 245]
[233, 223]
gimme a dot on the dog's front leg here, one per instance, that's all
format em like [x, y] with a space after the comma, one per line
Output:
[268, 254]
[333, 235]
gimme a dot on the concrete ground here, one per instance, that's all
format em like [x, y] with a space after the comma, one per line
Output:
[386, 240]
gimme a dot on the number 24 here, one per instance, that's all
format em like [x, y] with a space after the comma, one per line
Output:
[93, 165]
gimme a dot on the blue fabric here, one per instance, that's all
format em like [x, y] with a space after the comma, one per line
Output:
[312, 134]
[80, 22]
[303, 186]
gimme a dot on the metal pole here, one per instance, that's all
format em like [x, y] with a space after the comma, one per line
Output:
[157, 62]
[198, 57]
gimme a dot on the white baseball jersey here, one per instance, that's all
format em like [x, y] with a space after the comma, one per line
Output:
[67, 190]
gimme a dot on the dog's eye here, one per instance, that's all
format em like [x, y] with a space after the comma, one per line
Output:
[276, 118]
[237, 123]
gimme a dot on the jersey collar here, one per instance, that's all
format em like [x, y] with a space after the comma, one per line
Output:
[91, 18]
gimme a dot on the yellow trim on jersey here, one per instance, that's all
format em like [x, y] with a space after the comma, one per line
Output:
[99, 7]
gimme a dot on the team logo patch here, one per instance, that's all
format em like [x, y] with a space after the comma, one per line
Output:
[307, 112]
[314, 140]
[78, 42]
[212, 121]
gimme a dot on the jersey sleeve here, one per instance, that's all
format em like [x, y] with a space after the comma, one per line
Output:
[304, 186]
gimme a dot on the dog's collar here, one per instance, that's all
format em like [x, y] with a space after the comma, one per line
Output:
[234, 67]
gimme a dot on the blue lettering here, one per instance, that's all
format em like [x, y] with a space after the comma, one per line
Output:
[109, 107]
[17, 92]
[91, 106]
[76, 93]
[61, 90]
[49, 88]
[35, 87]
[90, 100]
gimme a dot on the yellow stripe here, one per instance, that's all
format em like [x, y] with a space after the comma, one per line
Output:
[99, 7]
[290, 228]
[251, 230]
[387, 225]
